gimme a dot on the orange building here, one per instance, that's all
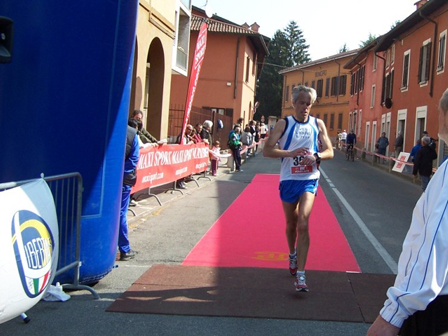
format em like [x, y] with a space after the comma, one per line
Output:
[232, 64]
[404, 78]
[332, 83]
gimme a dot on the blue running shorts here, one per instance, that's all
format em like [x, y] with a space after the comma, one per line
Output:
[291, 190]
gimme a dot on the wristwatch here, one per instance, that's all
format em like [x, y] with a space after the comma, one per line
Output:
[317, 157]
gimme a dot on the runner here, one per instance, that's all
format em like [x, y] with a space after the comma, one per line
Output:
[298, 138]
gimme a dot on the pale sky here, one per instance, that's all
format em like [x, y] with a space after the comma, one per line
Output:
[326, 24]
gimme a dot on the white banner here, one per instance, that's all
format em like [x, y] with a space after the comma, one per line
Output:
[29, 239]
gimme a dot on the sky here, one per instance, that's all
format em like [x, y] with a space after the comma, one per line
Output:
[326, 24]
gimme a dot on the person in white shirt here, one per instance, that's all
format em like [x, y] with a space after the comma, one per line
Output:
[417, 304]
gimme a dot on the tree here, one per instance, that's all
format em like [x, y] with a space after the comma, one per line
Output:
[287, 48]
[371, 38]
[343, 48]
[269, 86]
[297, 47]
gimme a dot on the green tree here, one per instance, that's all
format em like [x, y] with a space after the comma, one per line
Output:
[343, 48]
[297, 47]
[269, 86]
[287, 48]
[371, 38]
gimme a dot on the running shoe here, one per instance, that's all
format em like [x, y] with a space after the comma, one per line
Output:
[300, 284]
[293, 265]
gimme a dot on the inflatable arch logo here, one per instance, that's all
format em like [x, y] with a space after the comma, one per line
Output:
[34, 247]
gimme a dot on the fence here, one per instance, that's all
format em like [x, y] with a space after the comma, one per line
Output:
[67, 194]
[199, 115]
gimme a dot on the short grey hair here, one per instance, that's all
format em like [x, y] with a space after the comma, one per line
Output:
[443, 103]
[426, 140]
[303, 88]
[208, 124]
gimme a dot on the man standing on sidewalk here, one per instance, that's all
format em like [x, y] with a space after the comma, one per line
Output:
[298, 138]
[418, 301]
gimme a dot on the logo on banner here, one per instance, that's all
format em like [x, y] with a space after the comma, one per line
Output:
[33, 245]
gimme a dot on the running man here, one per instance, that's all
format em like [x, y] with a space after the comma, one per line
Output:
[298, 148]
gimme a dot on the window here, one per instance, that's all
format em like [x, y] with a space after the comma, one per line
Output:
[247, 69]
[313, 84]
[286, 93]
[320, 87]
[331, 121]
[405, 78]
[392, 54]
[424, 62]
[388, 86]
[352, 84]
[442, 52]
[340, 121]
[325, 118]
[333, 85]
[327, 87]
[372, 98]
[387, 58]
[342, 85]
[362, 72]
[375, 61]
[254, 64]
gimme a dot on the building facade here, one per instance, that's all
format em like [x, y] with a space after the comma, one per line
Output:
[232, 64]
[331, 82]
[403, 79]
[161, 49]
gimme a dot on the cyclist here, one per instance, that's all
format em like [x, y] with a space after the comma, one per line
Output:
[351, 140]
[343, 139]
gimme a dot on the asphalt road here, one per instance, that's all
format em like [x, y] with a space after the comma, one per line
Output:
[368, 202]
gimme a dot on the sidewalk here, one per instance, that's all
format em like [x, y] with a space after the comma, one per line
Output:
[165, 235]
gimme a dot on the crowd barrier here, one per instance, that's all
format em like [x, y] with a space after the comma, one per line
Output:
[165, 164]
[67, 194]
[376, 158]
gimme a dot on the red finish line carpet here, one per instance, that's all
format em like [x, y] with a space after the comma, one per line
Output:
[240, 269]
[251, 233]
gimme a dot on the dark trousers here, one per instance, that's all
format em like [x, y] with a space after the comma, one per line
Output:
[237, 157]
[433, 321]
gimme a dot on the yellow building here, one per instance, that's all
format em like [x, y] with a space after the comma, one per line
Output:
[332, 83]
[161, 49]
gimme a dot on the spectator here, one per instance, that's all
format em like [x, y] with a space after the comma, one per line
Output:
[246, 139]
[215, 157]
[144, 135]
[432, 142]
[206, 132]
[418, 301]
[235, 146]
[381, 144]
[263, 130]
[196, 135]
[398, 144]
[415, 150]
[257, 137]
[129, 180]
[423, 162]
[188, 140]
[343, 138]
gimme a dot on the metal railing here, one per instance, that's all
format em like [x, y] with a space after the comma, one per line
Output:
[67, 192]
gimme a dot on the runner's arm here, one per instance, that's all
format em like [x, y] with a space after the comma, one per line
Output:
[327, 147]
[270, 149]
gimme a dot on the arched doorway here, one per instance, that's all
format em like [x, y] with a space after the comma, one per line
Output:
[154, 82]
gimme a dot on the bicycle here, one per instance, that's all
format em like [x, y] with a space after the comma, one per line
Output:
[350, 153]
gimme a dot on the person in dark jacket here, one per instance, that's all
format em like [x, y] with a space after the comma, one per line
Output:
[423, 161]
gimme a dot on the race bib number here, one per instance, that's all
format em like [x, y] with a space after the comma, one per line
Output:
[298, 168]
[301, 170]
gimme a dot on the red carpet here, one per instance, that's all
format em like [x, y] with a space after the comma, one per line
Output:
[251, 233]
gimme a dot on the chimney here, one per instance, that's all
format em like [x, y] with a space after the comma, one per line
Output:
[254, 27]
[420, 3]
[245, 25]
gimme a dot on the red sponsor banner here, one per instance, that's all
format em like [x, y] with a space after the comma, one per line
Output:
[199, 53]
[168, 163]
